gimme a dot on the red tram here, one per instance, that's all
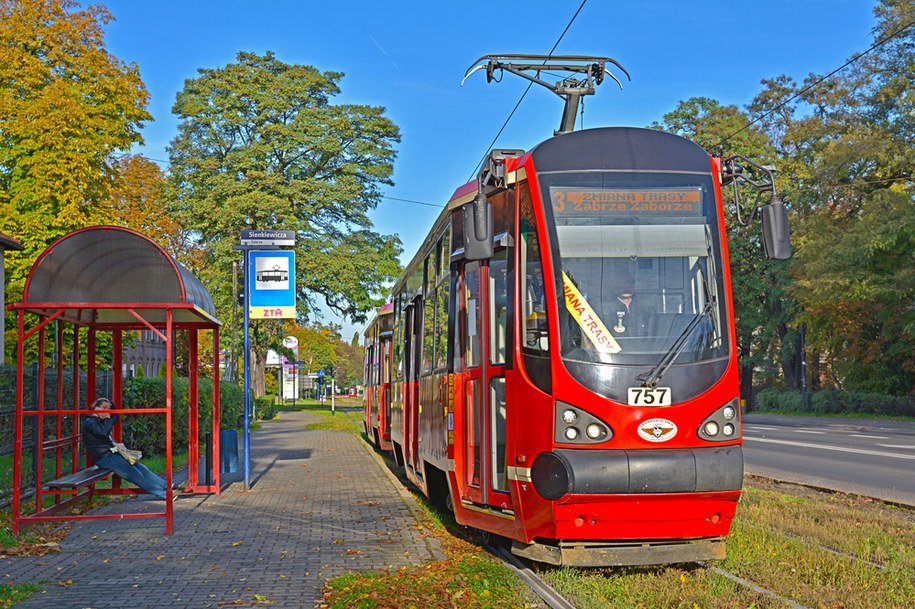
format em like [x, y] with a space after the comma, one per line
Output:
[377, 395]
[561, 352]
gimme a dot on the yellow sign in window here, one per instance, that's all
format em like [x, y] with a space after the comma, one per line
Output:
[591, 325]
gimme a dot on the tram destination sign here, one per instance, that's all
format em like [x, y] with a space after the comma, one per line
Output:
[268, 237]
[644, 201]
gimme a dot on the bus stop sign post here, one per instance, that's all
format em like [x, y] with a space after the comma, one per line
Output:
[257, 240]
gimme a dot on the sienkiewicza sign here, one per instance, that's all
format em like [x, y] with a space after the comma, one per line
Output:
[271, 238]
[271, 284]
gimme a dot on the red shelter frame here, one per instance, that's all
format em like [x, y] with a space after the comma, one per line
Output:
[106, 279]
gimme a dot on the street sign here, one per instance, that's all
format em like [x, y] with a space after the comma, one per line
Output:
[268, 237]
[271, 284]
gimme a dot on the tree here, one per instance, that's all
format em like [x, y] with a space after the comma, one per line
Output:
[137, 200]
[762, 309]
[855, 257]
[316, 344]
[66, 106]
[261, 146]
[350, 364]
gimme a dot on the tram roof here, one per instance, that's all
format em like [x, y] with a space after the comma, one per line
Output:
[622, 149]
[110, 276]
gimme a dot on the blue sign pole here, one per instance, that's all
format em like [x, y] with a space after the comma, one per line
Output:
[272, 294]
[247, 382]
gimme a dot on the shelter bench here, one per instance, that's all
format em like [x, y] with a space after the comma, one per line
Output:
[83, 477]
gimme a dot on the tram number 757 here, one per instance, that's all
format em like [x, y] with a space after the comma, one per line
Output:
[649, 396]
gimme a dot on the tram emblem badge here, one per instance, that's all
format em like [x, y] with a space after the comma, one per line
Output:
[657, 430]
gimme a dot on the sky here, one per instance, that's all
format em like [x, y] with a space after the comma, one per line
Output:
[410, 56]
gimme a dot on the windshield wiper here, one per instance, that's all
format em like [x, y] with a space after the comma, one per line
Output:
[653, 376]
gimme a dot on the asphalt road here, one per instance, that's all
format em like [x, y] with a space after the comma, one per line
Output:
[871, 458]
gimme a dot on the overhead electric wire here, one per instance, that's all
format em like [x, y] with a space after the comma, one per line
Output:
[412, 201]
[817, 83]
[529, 85]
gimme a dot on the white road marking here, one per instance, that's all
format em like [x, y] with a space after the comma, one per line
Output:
[903, 446]
[820, 433]
[859, 435]
[843, 449]
[760, 427]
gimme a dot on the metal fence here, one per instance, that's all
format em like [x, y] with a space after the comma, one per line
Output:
[58, 390]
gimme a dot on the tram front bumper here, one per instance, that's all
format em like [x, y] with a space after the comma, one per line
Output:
[609, 472]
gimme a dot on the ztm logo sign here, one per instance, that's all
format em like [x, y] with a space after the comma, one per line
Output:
[271, 284]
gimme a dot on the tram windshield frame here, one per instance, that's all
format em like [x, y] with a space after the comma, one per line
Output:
[653, 236]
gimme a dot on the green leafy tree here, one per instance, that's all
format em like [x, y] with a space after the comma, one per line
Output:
[350, 363]
[762, 310]
[854, 256]
[260, 145]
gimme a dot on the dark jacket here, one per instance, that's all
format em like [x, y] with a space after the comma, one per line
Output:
[97, 435]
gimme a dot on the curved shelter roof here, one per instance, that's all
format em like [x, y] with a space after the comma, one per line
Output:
[107, 276]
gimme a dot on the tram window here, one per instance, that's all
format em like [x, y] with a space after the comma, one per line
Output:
[429, 273]
[442, 284]
[536, 330]
[498, 478]
[428, 331]
[498, 306]
[457, 321]
[445, 260]
[472, 317]
[398, 335]
[474, 423]
[441, 325]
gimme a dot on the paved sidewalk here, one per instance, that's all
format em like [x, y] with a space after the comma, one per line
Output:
[320, 505]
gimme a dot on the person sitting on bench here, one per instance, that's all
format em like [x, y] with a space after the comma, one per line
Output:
[97, 439]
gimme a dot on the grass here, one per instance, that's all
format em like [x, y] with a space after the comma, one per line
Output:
[12, 594]
[817, 549]
[344, 419]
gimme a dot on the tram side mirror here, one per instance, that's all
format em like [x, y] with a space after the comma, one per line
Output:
[776, 232]
[478, 228]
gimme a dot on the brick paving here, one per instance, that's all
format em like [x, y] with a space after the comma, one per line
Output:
[321, 504]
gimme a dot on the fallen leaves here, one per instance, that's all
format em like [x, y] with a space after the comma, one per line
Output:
[38, 546]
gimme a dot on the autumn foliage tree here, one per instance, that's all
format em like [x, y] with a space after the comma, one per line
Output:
[137, 200]
[66, 107]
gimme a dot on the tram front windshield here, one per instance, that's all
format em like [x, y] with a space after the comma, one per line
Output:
[638, 261]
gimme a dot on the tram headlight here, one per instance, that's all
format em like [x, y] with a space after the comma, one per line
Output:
[574, 425]
[722, 425]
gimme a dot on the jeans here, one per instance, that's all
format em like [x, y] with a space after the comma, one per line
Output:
[139, 474]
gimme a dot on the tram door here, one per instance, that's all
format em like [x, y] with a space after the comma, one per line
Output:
[413, 347]
[484, 307]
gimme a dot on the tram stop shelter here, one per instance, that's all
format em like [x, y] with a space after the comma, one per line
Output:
[93, 282]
